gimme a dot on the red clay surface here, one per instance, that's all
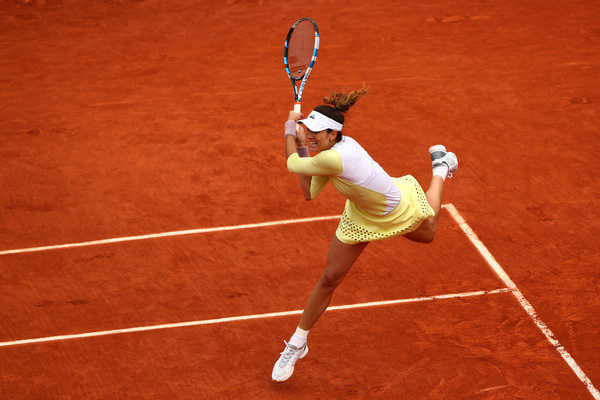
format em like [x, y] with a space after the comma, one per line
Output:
[125, 118]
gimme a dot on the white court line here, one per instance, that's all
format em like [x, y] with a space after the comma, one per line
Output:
[245, 317]
[167, 234]
[451, 209]
[522, 300]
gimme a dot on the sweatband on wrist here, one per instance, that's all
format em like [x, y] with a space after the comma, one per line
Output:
[303, 151]
[290, 128]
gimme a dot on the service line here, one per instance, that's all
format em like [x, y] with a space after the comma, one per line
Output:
[167, 234]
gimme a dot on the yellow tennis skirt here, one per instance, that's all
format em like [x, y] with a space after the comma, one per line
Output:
[357, 226]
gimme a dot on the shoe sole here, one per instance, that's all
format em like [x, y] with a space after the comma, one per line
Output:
[454, 166]
[291, 371]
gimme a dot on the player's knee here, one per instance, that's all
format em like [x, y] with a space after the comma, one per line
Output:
[429, 238]
[425, 234]
[429, 233]
[330, 280]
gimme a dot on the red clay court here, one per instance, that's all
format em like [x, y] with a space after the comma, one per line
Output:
[153, 244]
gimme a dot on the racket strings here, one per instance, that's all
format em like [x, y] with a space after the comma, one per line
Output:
[301, 48]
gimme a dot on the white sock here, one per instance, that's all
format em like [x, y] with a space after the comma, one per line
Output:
[441, 170]
[298, 339]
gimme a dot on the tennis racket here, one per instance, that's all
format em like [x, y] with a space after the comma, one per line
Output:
[300, 54]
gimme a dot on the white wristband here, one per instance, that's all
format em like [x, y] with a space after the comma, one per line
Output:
[290, 128]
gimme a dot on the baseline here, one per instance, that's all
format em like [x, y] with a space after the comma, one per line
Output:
[244, 318]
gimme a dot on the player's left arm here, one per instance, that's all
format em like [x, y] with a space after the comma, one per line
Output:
[294, 134]
[295, 143]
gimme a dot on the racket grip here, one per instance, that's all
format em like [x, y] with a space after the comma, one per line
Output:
[297, 109]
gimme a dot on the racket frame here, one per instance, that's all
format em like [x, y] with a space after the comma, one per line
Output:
[299, 89]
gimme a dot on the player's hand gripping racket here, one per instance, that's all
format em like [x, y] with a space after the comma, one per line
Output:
[300, 54]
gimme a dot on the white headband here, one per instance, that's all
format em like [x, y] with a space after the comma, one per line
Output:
[318, 122]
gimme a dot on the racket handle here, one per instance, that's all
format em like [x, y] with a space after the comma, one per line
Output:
[297, 109]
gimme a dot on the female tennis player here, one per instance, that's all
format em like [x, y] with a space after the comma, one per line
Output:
[377, 206]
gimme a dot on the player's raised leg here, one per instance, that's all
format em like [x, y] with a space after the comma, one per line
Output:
[444, 164]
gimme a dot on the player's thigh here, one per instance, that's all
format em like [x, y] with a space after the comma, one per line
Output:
[341, 256]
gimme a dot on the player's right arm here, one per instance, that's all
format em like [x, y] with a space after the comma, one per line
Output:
[315, 171]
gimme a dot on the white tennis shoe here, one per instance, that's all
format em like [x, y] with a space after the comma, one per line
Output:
[284, 367]
[439, 156]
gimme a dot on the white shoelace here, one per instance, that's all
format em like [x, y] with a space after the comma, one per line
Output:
[287, 354]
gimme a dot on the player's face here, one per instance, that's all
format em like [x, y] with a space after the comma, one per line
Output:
[319, 141]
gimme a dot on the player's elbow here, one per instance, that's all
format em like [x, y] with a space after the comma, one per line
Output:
[307, 197]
